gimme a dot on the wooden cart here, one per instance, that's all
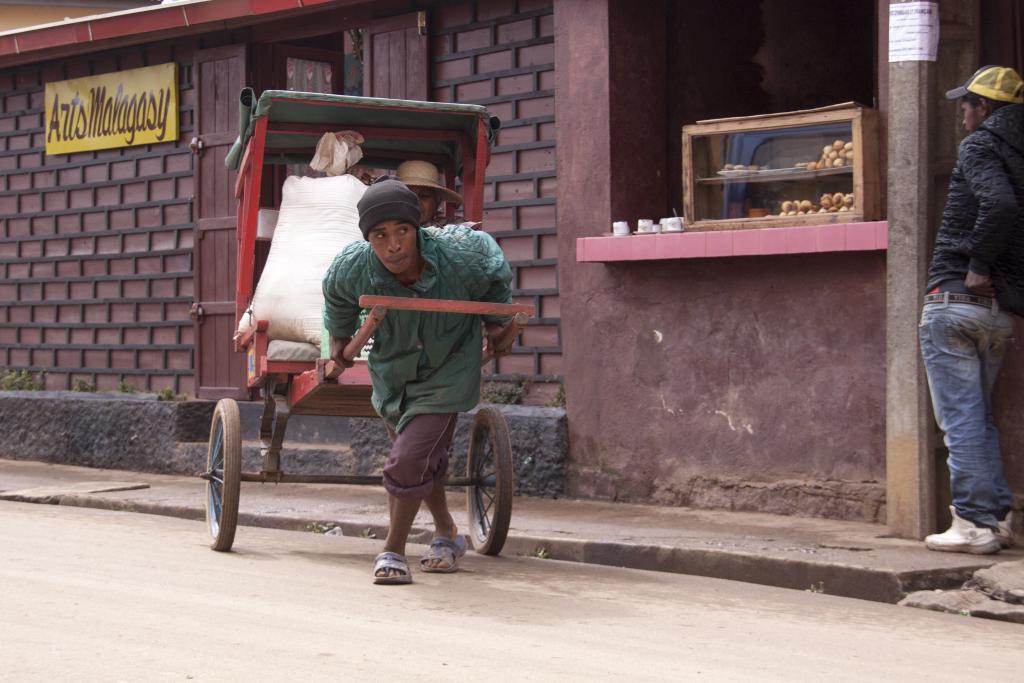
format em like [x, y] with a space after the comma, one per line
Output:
[283, 127]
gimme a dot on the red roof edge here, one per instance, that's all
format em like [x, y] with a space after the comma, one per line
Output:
[35, 42]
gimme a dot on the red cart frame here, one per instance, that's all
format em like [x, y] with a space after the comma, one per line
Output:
[283, 127]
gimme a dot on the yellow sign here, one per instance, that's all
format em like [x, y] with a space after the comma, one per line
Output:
[122, 109]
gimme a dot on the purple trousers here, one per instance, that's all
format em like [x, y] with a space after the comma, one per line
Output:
[419, 455]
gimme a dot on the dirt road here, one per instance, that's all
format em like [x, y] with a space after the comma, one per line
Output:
[94, 595]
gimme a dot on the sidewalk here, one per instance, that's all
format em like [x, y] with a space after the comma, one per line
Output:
[840, 558]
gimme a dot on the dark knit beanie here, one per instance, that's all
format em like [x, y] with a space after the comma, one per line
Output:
[387, 200]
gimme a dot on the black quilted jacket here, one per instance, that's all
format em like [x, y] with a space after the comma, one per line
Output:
[983, 222]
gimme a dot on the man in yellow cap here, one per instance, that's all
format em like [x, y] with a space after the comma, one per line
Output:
[975, 288]
[423, 178]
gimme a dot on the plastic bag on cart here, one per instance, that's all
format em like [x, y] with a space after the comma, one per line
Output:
[317, 219]
[337, 152]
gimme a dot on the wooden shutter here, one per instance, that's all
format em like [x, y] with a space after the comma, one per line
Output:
[396, 58]
[220, 75]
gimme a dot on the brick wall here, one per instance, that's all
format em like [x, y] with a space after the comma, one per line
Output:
[500, 53]
[95, 247]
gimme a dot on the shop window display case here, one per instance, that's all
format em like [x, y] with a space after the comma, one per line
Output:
[812, 167]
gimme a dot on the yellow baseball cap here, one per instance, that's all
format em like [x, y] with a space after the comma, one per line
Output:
[999, 83]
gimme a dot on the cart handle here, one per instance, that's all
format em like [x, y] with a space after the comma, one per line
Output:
[504, 341]
[369, 326]
[379, 306]
[401, 303]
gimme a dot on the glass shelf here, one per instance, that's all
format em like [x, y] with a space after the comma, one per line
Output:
[808, 167]
[774, 176]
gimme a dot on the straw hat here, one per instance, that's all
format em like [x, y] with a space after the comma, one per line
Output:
[425, 174]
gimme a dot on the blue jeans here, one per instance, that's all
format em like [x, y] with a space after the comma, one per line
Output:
[963, 347]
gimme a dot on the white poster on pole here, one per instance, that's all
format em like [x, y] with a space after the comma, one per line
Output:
[913, 31]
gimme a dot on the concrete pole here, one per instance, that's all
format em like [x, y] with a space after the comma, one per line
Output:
[909, 440]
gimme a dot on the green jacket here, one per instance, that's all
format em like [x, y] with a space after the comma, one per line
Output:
[422, 362]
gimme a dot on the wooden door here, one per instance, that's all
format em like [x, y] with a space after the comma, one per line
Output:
[301, 69]
[1001, 27]
[395, 55]
[220, 74]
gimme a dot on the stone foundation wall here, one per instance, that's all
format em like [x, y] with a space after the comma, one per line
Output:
[115, 431]
[832, 499]
[140, 433]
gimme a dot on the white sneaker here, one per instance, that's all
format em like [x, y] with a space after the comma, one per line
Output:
[1005, 533]
[964, 537]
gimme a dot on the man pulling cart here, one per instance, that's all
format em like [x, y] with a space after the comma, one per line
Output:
[425, 367]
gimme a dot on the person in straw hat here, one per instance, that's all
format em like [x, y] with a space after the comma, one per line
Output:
[423, 178]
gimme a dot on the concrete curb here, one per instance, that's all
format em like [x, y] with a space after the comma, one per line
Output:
[842, 580]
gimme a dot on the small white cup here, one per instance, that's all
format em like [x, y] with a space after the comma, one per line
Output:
[620, 228]
[672, 224]
[646, 225]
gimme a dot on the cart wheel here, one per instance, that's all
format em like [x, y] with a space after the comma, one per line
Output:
[223, 474]
[489, 466]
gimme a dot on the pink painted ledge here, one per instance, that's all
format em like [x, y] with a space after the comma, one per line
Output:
[816, 239]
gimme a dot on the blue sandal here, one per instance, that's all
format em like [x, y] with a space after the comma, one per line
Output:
[394, 562]
[447, 551]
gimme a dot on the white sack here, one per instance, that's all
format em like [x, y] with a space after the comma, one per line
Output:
[266, 221]
[318, 218]
[279, 349]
